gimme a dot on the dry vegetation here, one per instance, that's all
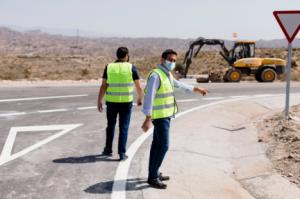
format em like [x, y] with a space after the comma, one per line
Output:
[77, 67]
[38, 56]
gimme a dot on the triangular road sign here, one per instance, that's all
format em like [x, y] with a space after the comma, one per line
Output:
[289, 22]
[6, 155]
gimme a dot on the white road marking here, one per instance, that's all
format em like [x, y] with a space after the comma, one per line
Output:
[7, 149]
[238, 96]
[213, 98]
[12, 114]
[52, 111]
[79, 108]
[120, 179]
[134, 104]
[266, 95]
[95, 107]
[119, 185]
[42, 98]
[86, 107]
[187, 100]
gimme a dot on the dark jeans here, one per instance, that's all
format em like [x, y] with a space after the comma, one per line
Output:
[124, 112]
[159, 147]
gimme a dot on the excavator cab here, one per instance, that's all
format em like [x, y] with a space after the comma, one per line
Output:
[242, 49]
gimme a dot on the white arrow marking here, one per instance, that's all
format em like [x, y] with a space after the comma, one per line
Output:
[7, 149]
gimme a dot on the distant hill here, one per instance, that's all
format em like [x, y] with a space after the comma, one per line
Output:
[35, 55]
[37, 42]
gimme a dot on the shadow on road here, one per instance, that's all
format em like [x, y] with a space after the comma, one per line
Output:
[106, 187]
[85, 159]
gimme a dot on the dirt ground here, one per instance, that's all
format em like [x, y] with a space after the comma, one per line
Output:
[283, 140]
[84, 67]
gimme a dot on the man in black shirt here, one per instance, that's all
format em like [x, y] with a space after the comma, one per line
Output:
[117, 87]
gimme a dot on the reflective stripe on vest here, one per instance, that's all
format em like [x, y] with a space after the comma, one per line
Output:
[120, 85]
[118, 93]
[163, 95]
[120, 82]
[164, 104]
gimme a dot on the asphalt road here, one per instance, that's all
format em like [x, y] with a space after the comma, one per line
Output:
[51, 137]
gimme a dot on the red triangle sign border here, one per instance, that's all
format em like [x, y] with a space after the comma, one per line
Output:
[289, 38]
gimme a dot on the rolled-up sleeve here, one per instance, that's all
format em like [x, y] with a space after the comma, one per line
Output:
[151, 89]
[182, 86]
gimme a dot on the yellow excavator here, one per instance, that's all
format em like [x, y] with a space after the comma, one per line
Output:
[241, 59]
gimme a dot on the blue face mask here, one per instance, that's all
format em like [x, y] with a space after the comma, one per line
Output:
[170, 65]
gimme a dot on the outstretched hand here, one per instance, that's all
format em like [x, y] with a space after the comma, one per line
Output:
[201, 91]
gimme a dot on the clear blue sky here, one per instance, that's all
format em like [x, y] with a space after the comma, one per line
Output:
[251, 19]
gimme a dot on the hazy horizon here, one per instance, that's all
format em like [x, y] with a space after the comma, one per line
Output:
[252, 20]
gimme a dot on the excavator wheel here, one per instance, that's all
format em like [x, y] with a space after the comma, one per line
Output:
[233, 75]
[268, 75]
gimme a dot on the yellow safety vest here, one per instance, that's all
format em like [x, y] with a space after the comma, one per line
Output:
[164, 104]
[120, 82]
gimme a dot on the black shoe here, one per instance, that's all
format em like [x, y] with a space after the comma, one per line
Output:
[163, 178]
[107, 153]
[123, 157]
[156, 183]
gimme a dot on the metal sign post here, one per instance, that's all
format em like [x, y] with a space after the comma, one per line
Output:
[288, 81]
[289, 22]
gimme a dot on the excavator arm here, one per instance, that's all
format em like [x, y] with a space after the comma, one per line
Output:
[199, 43]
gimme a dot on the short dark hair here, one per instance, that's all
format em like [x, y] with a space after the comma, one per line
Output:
[168, 52]
[122, 52]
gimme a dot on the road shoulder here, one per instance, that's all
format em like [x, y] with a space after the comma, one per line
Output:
[219, 157]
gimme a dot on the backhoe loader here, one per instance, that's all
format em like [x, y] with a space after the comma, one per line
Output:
[241, 61]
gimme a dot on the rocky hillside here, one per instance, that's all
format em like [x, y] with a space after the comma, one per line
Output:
[35, 55]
